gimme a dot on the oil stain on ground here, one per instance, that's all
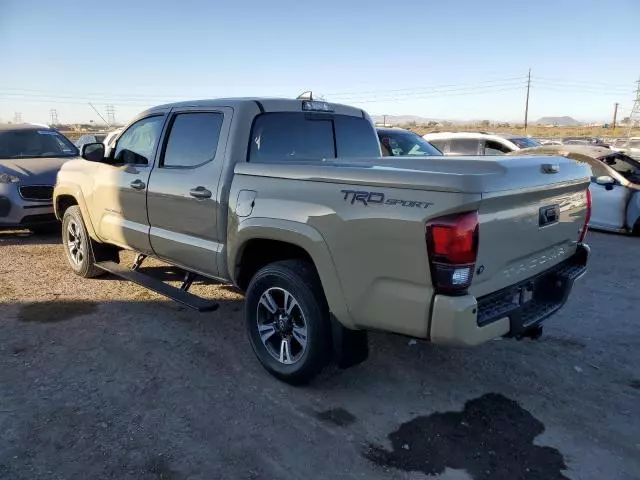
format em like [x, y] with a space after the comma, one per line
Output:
[338, 416]
[492, 438]
[56, 311]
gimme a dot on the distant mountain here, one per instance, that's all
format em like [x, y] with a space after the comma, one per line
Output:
[560, 121]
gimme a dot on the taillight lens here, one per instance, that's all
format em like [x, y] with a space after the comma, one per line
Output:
[452, 243]
[587, 218]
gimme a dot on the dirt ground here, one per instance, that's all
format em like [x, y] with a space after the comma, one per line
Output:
[101, 379]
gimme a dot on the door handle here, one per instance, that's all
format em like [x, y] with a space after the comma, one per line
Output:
[138, 185]
[200, 192]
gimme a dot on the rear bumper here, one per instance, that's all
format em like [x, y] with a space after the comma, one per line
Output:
[16, 212]
[512, 311]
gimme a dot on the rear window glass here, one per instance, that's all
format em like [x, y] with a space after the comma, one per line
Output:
[355, 137]
[193, 139]
[310, 136]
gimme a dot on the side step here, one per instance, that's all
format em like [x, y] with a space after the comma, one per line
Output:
[179, 295]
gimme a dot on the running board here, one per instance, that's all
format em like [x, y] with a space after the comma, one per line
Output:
[179, 295]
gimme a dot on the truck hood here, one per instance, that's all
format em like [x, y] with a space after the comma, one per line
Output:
[462, 174]
[40, 171]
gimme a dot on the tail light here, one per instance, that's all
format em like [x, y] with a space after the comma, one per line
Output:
[452, 243]
[587, 218]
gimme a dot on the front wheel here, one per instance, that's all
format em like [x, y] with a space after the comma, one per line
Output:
[288, 321]
[78, 245]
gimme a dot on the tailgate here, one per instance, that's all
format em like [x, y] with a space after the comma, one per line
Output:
[527, 230]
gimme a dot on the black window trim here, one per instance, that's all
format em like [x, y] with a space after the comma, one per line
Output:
[150, 161]
[165, 141]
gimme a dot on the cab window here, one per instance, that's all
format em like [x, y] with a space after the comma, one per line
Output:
[137, 144]
[464, 146]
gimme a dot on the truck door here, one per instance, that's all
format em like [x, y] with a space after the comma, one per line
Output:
[183, 198]
[118, 201]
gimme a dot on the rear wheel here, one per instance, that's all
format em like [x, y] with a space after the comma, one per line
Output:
[78, 245]
[288, 321]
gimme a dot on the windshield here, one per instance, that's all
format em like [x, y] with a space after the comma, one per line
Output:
[35, 144]
[625, 166]
[406, 143]
[525, 142]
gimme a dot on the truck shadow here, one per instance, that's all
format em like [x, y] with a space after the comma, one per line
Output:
[26, 237]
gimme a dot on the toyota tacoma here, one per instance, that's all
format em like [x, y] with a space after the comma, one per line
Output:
[291, 201]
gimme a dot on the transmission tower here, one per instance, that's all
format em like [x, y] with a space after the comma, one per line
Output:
[53, 115]
[635, 111]
[17, 117]
[111, 114]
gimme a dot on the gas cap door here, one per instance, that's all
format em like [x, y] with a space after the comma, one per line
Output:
[245, 203]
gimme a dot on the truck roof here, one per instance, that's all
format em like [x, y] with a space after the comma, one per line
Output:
[266, 104]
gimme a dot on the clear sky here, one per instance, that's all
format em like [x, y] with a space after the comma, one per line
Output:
[456, 59]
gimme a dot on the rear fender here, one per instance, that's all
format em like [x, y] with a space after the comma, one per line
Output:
[300, 235]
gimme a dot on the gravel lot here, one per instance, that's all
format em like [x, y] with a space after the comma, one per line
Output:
[103, 379]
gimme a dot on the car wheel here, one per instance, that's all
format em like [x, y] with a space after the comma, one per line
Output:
[78, 245]
[288, 321]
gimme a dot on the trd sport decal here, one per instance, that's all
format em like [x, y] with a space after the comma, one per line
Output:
[378, 198]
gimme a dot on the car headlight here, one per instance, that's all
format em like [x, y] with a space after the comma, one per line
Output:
[6, 178]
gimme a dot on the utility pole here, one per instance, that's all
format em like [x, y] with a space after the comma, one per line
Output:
[526, 105]
[615, 117]
[111, 114]
[53, 114]
[17, 117]
[384, 120]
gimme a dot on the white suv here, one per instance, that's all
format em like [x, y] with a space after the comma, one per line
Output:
[479, 143]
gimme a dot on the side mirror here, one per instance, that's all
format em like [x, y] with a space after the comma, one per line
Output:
[606, 181]
[94, 152]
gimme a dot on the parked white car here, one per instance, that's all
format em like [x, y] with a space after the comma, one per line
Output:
[615, 185]
[479, 143]
[630, 146]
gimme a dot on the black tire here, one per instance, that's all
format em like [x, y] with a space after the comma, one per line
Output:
[82, 264]
[636, 228]
[300, 280]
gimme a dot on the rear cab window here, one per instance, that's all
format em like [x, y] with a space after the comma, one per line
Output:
[281, 136]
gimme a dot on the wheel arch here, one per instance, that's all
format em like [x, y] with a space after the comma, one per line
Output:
[260, 241]
[66, 196]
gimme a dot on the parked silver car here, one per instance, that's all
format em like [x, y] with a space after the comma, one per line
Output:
[90, 138]
[30, 157]
[615, 185]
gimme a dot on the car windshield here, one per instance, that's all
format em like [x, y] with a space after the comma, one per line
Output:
[525, 142]
[625, 166]
[406, 143]
[35, 144]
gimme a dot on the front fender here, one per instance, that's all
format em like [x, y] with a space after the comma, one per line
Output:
[633, 209]
[303, 236]
[74, 190]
